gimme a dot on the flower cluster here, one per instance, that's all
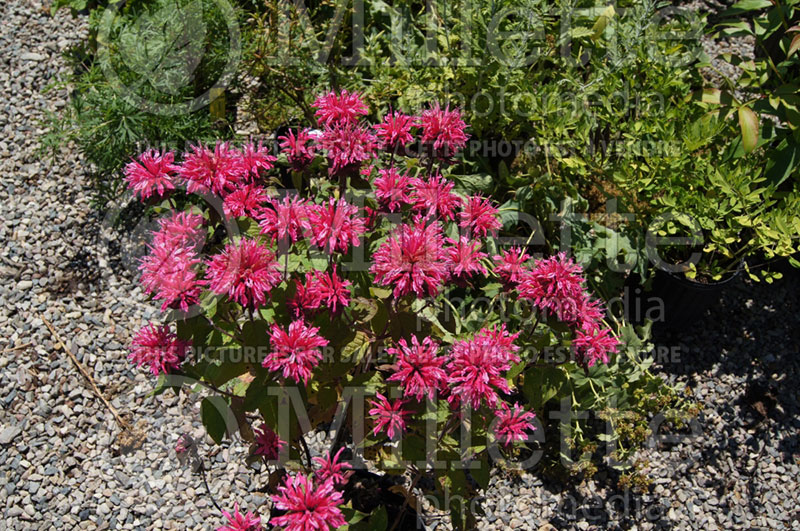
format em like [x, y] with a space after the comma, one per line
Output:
[512, 423]
[443, 128]
[321, 289]
[395, 131]
[295, 352]
[477, 365]
[332, 468]
[390, 415]
[471, 375]
[419, 368]
[221, 170]
[333, 282]
[169, 272]
[153, 174]
[556, 285]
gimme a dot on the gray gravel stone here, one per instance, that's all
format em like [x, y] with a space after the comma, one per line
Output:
[9, 434]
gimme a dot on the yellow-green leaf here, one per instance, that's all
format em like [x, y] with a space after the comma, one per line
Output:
[748, 121]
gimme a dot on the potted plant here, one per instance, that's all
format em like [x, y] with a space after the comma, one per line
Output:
[728, 220]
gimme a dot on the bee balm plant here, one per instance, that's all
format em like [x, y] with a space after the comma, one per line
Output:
[372, 298]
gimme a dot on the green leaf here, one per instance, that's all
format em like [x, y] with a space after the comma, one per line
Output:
[471, 184]
[481, 474]
[213, 412]
[430, 314]
[381, 293]
[580, 32]
[748, 121]
[414, 448]
[782, 163]
[541, 384]
[352, 516]
[366, 308]
[378, 521]
[602, 21]
[747, 5]
[162, 384]
[221, 373]
[355, 349]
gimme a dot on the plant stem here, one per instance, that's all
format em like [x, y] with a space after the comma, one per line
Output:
[205, 482]
[445, 430]
[212, 387]
[306, 450]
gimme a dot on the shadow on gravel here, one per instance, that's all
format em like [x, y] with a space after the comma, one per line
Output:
[744, 355]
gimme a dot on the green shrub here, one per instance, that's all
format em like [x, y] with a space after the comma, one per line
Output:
[145, 77]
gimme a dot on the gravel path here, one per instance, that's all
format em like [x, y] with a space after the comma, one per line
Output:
[65, 467]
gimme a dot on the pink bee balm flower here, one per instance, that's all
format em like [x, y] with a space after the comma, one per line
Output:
[444, 129]
[412, 259]
[300, 150]
[419, 368]
[179, 229]
[388, 416]
[335, 226]
[307, 297]
[332, 290]
[555, 284]
[285, 220]
[218, 171]
[347, 146]
[309, 505]
[392, 189]
[256, 158]
[245, 201]
[510, 265]
[476, 367]
[158, 348]
[169, 275]
[479, 217]
[295, 353]
[267, 442]
[246, 271]
[464, 258]
[339, 109]
[332, 469]
[153, 174]
[435, 197]
[320, 288]
[512, 424]
[240, 522]
[501, 342]
[366, 171]
[590, 313]
[592, 347]
[395, 131]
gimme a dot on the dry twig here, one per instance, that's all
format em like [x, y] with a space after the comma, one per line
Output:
[19, 347]
[88, 376]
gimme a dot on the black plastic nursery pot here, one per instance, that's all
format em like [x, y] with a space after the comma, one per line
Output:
[684, 301]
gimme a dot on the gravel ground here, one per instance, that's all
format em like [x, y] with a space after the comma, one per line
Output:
[65, 466]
